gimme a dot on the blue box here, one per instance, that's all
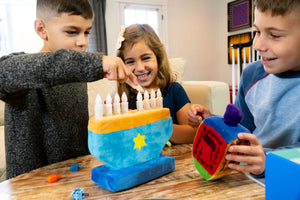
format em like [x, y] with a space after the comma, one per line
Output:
[282, 174]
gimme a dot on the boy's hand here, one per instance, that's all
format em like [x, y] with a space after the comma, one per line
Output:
[252, 155]
[115, 69]
[197, 113]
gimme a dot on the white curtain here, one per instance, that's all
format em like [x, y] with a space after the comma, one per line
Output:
[98, 42]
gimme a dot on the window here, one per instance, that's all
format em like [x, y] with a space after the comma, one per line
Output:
[142, 15]
[3, 39]
[17, 27]
[152, 12]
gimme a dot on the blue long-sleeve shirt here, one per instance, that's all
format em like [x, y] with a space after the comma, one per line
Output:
[270, 104]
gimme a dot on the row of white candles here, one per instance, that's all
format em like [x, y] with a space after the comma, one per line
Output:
[108, 109]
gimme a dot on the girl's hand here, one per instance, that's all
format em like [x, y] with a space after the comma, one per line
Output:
[115, 69]
[197, 113]
[252, 155]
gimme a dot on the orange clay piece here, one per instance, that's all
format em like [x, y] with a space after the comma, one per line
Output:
[53, 178]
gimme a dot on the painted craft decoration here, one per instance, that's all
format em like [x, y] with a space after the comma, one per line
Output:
[129, 142]
[214, 136]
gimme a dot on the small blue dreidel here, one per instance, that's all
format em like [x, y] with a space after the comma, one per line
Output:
[214, 136]
[78, 194]
[75, 167]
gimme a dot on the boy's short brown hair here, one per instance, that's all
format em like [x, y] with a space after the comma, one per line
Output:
[277, 7]
[46, 9]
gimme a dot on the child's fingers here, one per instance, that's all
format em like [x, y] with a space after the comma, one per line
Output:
[197, 110]
[122, 71]
[252, 155]
[194, 123]
[244, 168]
[202, 111]
[132, 77]
[243, 149]
[192, 115]
[253, 164]
[109, 65]
[193, 109]
[255, 169]
[249, 137]
[121, 75]
[197, 113]
[193, 119]
[111, 74]
[242, 158]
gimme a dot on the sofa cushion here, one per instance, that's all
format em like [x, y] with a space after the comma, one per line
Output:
[178, 66]
[102, 87]
[1, 113]
[2, 155]
[212, 94]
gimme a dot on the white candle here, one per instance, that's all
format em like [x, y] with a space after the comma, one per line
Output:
[139, 102]
[152, 99]
[124, 103]
[108, 105]
[159, 99]
[98, 107]
[117, 104]
[146, 101]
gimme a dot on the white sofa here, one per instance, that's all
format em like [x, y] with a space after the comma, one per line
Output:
[212, 94]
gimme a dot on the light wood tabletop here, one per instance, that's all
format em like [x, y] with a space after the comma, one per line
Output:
[184, 182]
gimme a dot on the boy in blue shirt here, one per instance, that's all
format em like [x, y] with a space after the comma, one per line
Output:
[269, 88]
[46, 114]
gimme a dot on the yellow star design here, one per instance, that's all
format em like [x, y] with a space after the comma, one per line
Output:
[139, 141]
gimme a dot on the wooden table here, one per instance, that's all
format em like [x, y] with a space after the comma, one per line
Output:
[183, 183]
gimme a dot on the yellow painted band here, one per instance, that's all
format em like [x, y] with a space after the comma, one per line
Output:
[130, 120]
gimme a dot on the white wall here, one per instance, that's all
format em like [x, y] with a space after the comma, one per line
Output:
[224, 69]
[112, 28]
[192, 35]
[197, 31]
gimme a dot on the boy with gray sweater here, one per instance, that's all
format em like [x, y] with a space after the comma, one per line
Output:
[46, 113]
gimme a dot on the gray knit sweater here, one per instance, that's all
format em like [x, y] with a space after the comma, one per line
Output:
[46, 113]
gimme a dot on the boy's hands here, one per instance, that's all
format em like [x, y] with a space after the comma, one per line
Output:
[252, 155]
[197, 113]
[115, 69]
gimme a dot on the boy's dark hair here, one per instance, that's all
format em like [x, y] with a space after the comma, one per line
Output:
[277, 7]
[73, 7]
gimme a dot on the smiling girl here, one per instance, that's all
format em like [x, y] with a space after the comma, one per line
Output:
[144, 54]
